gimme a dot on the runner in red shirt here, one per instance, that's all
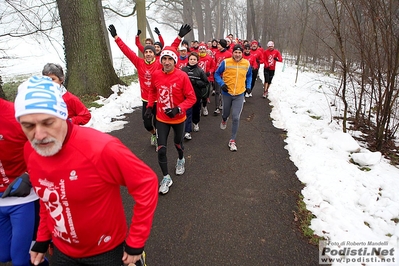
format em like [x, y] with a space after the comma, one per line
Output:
[145, 67]
[77, 173]
[172, 90]
[270, 57]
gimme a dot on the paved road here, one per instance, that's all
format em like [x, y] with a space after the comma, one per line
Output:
[229, 208]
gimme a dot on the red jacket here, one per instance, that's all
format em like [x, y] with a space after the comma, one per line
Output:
[171, 90]
[258, 55]
[221, 55]
[181, 62]
[79, 188]
[144, 69]
[12, 141]
[251, 58]
[77, 111]
[269, 58]
[208, 65]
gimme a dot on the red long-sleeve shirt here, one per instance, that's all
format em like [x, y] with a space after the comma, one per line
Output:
[79, 189]
[171, 90]
[12, 141]
[208, 65]
[268, 58]
[144, 69]
[77, 111]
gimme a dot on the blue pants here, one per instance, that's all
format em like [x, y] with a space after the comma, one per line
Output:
[18, 224]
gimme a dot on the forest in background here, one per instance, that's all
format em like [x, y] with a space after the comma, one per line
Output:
[356, 40]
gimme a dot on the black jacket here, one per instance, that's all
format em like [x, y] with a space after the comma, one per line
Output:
[198, 79]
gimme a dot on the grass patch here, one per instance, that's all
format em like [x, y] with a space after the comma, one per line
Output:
[10, 89]
[304, 217]
[129, 79]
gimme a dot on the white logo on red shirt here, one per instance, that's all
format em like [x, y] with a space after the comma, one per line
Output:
[73, 175]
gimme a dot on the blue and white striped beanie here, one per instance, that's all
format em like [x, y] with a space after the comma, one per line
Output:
[40, 95]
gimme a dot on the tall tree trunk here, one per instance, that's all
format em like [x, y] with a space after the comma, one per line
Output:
[88, 62]
[199, 18]
[188, 17]
[253, 21]
[142, 22]
[209, 34]
[305, 24]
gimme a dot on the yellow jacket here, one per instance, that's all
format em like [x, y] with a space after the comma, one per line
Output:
[236, 75]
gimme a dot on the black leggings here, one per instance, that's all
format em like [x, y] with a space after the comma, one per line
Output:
[109, 258]
[149, 123]
[254, 76]
[268, 76]
[163, 130]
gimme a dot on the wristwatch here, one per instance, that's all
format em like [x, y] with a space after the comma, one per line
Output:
[178, 107]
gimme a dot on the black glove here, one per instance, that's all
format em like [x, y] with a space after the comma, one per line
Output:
[41, 246]
[138, 32]
[112, 30]
[276, 58]
[184, 30]
[148, 112]
[225, 88]
[20, 187]
[171, 112]
[208, 74]
[248, 90]
[156, 30]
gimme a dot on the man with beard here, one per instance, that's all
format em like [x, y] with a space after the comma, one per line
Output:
[19, 204]
[77, 173]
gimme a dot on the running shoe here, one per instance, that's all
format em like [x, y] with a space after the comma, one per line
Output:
[246, 95]
[165, 184]
[180, 166]
[232, 145]
[223, 124]
[187, 136]
[196, 128]
[250, 94]
[216, 112]
[213, 92]
[264, 95]
[205, 111]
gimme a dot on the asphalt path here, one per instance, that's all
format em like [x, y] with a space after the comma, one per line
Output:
[229, 208]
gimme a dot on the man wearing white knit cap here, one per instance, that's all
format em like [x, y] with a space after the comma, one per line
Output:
[77, 173]
[172, 90]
